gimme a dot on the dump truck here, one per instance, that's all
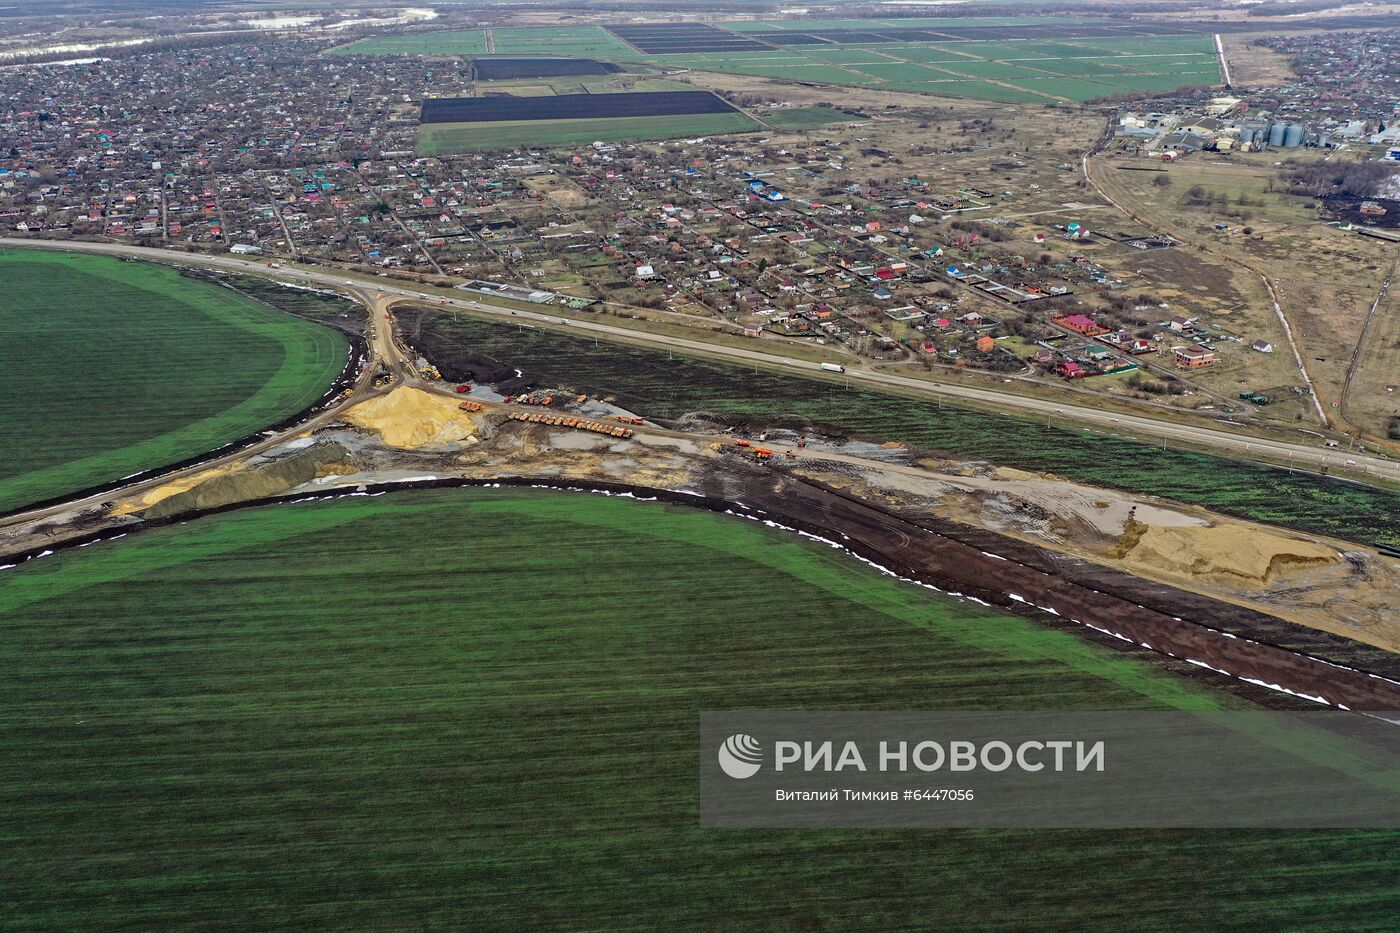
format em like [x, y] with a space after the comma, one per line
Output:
[463, 388]
[470, 406]
[762, 453]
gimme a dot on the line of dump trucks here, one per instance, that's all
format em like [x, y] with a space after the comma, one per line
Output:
[563, 421]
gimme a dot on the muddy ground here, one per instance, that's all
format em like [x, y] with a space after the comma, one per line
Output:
[1131, 571]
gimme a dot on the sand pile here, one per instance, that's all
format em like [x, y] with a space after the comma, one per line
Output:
[1224, 553]
[410, 419]
[256, 481]
[174, 488]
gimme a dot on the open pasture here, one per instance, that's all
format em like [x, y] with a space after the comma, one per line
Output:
[804, 118]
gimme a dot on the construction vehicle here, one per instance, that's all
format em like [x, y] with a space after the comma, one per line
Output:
[463, 388]
[762, 453]
[470, 406]
[802, 442]
[743, 443]
[626, 419]
[581, 399]
[563, 421]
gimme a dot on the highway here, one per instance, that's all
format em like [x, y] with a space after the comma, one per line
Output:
[386, 351]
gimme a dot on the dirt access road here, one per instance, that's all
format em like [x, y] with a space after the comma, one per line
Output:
[1361, 466]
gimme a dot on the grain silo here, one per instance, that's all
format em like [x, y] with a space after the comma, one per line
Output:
[1293, 136]
[1276, 132]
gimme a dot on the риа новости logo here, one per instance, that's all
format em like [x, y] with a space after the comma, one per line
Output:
[740, 756]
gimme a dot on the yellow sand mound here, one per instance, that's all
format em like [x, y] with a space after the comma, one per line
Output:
[172, 488]
[410, 418]
[1223, 553]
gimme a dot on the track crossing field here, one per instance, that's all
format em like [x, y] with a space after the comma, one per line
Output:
[1044, 59]
[116, 367]
[478, 708]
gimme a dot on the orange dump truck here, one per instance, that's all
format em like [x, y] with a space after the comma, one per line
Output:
[470, 406]
[566, 421]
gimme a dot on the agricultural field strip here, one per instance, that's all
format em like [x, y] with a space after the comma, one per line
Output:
[571, 106]
[435, 138]
[178, 755]
[505, 69]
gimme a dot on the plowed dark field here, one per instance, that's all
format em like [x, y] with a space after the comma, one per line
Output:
[504, 69]
[570, 107]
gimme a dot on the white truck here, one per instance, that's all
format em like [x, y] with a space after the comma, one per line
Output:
[833, 368]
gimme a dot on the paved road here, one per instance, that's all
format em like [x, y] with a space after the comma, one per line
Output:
[1299, 455]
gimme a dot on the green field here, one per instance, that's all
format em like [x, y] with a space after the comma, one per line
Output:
[1034, 69]
[439, 138]
[1018, 70]
[448, 42]
[651, 382]
[565, 41]
[477, 709]
[116, 367]
[803, 118]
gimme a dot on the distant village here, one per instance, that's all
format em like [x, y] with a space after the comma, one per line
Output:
[232, 149]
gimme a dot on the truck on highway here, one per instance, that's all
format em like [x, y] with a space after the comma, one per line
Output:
[833, 368]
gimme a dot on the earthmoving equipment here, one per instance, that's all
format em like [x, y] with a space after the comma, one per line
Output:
[470, 406]
[625, 419]
[763, 453]
[463, 388]
[743, 443]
